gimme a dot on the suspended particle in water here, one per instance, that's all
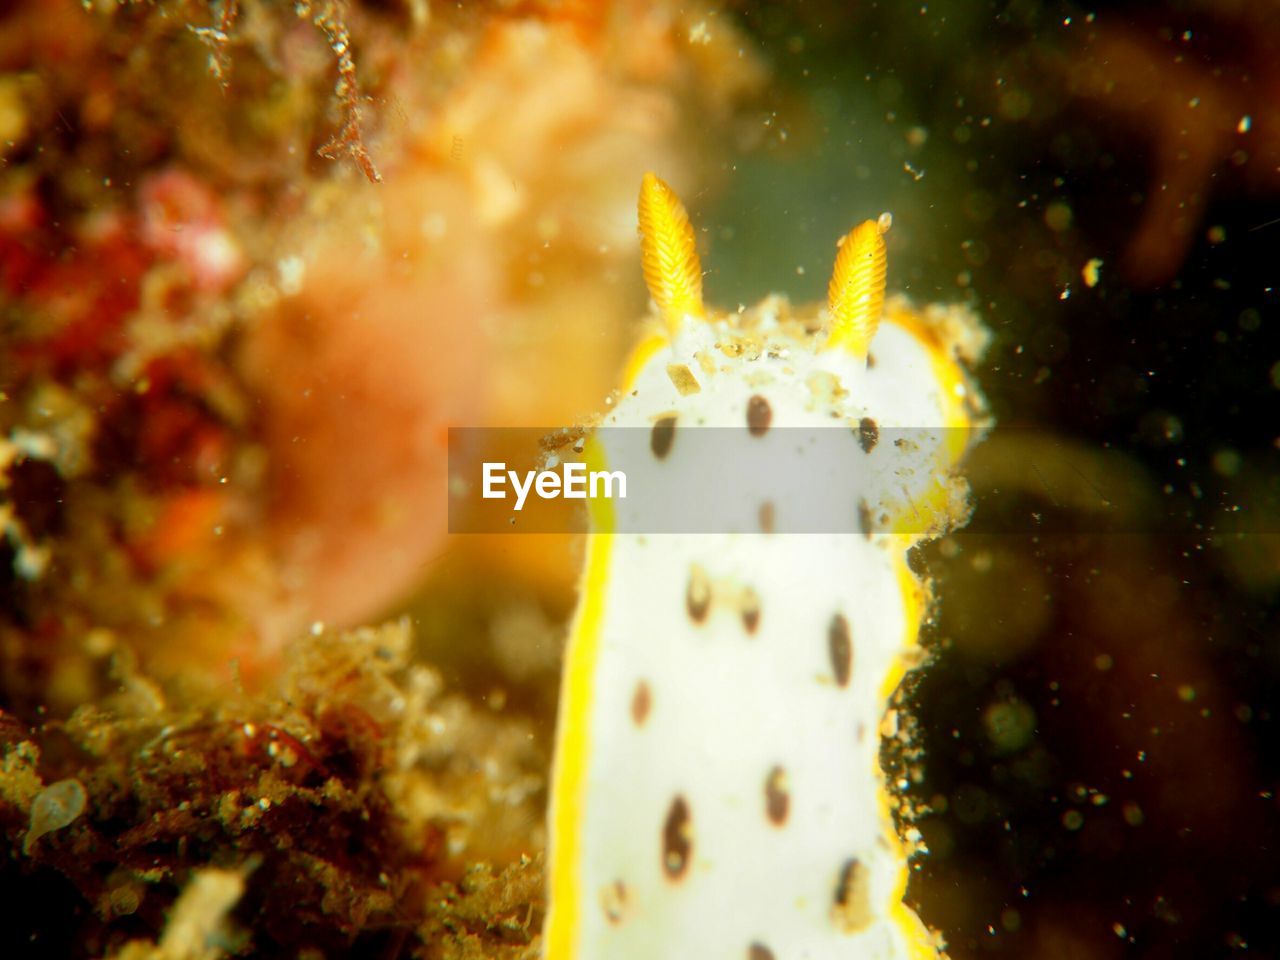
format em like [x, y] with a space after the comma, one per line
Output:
[1091, 272]
[55, 807]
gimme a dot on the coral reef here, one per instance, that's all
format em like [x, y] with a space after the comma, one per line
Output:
[233, 363]
[254, 259]
[348, 807]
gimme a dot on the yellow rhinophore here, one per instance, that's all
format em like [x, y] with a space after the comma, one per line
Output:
[856, 293]
[668, 254]
[723, 689]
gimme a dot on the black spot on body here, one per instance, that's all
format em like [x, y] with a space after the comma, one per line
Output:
[840, 646]
[868, 434]
[750, 610]
[767, 516]
[844, 887]
[759, 416]
[641, 702]
[677, 839]
[777, 798]
[865, 521]
[663, 435]
[851, 909]
[697, 597]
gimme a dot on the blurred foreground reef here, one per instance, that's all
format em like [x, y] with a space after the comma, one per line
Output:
[257, 256]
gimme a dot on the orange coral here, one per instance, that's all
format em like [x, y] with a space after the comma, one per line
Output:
[476, 287]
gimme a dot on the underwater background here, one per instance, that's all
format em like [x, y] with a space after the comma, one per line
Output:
[256, 257]
[1098, 727]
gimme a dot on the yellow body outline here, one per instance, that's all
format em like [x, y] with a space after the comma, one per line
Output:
[573, 734]
[673, 275]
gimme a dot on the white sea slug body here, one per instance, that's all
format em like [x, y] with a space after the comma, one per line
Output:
[717, 790]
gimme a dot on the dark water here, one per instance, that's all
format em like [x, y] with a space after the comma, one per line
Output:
[1100, 726]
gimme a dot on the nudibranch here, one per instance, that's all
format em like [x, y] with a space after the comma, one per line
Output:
[717, 788]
